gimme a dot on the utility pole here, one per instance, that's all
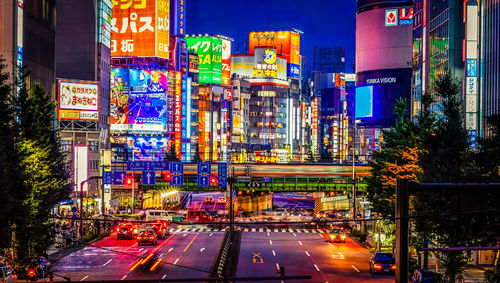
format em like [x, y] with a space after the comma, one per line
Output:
[231, 204]
[402, 206]
[133, 182]
[354, 172]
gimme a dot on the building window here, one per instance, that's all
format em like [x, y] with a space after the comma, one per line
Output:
[66, 146]
[93, 146]
[94, 165]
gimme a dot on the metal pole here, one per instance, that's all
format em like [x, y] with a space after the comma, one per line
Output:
[354, 172]
[402, 206]
[133, 183]
[231, 204]
[81, 210]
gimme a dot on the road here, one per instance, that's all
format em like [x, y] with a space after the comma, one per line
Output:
[183, 255]
[305, 254]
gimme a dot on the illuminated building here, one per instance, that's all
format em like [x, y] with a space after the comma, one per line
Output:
[240, 118]
[490, 61]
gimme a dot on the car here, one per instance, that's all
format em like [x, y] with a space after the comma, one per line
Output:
[221, 200]
[174, 216]
[147, 237]
[125, 231]
[426, 276]
[337, 235]
[209, 200]
[382, 262]
[160, 231]
[213, 214]
[198, 216]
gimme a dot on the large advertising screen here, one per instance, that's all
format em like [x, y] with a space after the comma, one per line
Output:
[138, 97]
[78, 100]
[286, 43]
[140, 28]
[209, 50]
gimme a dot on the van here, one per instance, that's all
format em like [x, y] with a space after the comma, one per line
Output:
[198, 216]
[157, 214]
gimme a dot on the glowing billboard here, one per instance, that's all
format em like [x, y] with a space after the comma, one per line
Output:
[209, 50]
[78, 100]
[286, 43]
[147, 99]
[140, 28]
[80, 163]
[226, 62]
[363, 106]
[118, 101]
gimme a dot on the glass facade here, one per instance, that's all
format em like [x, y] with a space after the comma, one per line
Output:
[490, 63]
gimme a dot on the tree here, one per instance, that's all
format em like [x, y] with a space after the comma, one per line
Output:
[9, 182]
[171, 155]
[398, 158]
[41, 165]
[446, 158]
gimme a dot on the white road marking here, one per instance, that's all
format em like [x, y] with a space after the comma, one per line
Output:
[290, 230]
[314, 231]
[300, 243]
[317, 268]
[171, 249]
[140, 249]
[307, 254]
[277, 266]
[163, 277]
[84, 278]
[175, 262]
[215, 230]
[274, 253]
[184, 235]
[211, 234]
[268, 230]
[306, 231]
[295, 234]
[268, 234]
[107, 262]
[270, 242]
[202, 249]
[124, 276]
[261, 229]
[245, 230]
[253, 230]
[283, 230]
[321, 231]
[160, 255]
[275, 230]
[355, 268]
[341, 254]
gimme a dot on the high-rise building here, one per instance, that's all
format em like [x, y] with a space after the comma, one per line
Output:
[329, 59]
[27, 37]
[490, 61]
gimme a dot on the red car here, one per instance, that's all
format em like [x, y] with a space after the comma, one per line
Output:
[125, 231]
[160, 231]
[147, 238]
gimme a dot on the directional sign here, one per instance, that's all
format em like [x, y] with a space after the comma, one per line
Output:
[107, 178]
[177, 171]
[148, 178]
[222, 174]
[119, 177]
[204, 171]
[148, 165]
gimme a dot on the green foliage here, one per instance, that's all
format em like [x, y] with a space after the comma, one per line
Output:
[398, 141]
[170, 155]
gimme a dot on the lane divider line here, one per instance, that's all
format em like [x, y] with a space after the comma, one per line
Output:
[202, 249]
[307, 254]
[171, 249]
[211, 234]
[300, 243]
[83, 279]
[270, 242]
[295, 234]
[124, 276]
[355, 268]
[274, 253]
[317, 268]
[175, 262]
[107, 262]
[277, 266]
[187, 247]
[163, 277]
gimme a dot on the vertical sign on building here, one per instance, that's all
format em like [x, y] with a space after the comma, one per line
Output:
[315, 124]
[184, 115]
[471, 72]
[20, 6]
[104, 29]
[80, 161]
[177, 113]
[162, 28]
[179, 18]
[226, 62]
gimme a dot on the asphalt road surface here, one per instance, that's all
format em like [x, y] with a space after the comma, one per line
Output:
[180, 255]
[262, 253]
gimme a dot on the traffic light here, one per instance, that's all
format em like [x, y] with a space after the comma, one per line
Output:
[129, 181]
[167, 176]
[213, 181]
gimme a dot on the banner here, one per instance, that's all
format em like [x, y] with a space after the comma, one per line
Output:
[78, 100]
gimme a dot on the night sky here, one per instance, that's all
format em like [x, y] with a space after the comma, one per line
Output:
[324, 22]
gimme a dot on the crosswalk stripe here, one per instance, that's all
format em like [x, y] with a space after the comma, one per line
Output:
[261, 229]
[314, 231]
[290, 230]
[268, 230]
[306, 231]
[322, 231]
[178, 230]
[245, 230]
[275, 230]
[253, 229]
[283, 230]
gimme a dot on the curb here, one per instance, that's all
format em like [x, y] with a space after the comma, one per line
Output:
[55, 257]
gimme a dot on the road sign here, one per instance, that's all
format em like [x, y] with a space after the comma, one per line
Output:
[148, 178]
[147, 165]
[266, 179]
[204, 170]
[119, 177]
[222, 174]
[107, 178]
[177, 171]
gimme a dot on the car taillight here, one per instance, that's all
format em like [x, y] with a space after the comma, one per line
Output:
[393, 267]
[31, 272]
[333, 237]
[343, 236]
[139, 237]
[131, 229]
[14, 276]
[151, 238]
[118, 229]
[377, 266]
